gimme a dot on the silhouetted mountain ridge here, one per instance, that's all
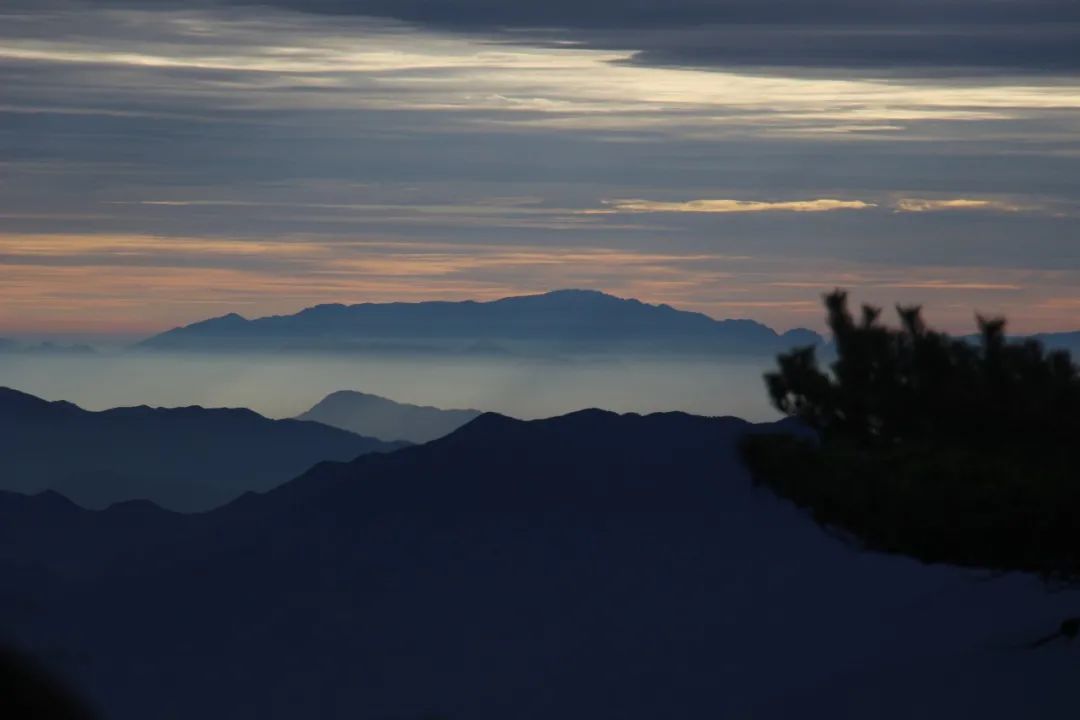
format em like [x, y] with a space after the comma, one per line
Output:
[624, 444]
[588, 566]
[558, 321]
[187, 458]
[1061, 341]
[14, 401]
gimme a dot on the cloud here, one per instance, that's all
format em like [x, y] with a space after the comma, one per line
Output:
[732, 206]
[913, 37]
[218, 64]
[235, 152]
[911, 49]
[618, 13]
[920, 205]
[953, 285]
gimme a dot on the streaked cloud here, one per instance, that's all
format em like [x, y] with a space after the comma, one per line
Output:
[197, 61]
[813, 205]
[919, 205]
[948, 37]
[952, 285]
[732, 206]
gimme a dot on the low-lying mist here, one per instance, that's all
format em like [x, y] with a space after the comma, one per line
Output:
[283, 385]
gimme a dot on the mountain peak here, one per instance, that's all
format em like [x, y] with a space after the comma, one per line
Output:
[227, 319]
[565, 296]
[582, 293]
[380, 417]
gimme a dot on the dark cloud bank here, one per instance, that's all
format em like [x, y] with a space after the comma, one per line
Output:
[918, 37]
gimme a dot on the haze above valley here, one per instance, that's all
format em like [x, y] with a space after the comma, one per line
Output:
[589, 350]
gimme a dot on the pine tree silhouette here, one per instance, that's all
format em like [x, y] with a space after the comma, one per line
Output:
[954, 450]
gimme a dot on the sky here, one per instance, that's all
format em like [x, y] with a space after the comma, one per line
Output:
[163, 162]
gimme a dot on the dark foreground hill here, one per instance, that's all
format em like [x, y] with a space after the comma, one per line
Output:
[190, 458]
[385, 419]
[564, 321]
[588, 566]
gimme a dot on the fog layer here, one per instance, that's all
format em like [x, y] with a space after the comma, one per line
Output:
[287, 385]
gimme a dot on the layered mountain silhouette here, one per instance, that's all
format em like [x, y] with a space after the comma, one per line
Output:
[581, 567]
[1069, 341]
[188, 459]
[1061, 341]
[385, 419]
[563, 321]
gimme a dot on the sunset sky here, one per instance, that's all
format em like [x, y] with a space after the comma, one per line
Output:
[162, 162]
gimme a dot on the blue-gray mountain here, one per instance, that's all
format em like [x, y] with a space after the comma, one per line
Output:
[1061, 341]
[187, 459]
[559, 322]
[582, 567]
[1068, 341]
[385, 419]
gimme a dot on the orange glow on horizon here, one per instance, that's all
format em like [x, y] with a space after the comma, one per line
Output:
[132, 284]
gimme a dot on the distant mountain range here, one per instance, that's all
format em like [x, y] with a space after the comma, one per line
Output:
[7, 345]
[188, 459]
[385, 419]
[1061, 341]
[587, 566]
[564, 321]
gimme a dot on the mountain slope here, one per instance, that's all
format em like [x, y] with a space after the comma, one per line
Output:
[385, 419]
[560, 321]
[588, 566]
[188, 459]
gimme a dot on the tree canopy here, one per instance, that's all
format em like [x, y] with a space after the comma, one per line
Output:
[955, 450]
